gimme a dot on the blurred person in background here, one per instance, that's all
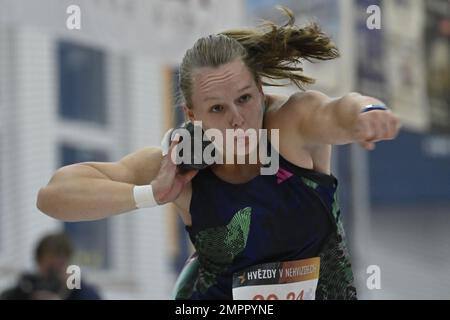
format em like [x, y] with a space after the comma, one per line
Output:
[52, 256]
[237, 218]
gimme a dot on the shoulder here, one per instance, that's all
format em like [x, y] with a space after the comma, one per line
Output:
[289, 114]
[296, 102]
[291, 111]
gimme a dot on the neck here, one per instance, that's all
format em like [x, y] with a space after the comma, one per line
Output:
[237, 172]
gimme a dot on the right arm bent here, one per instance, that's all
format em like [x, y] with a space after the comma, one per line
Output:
[96, 190]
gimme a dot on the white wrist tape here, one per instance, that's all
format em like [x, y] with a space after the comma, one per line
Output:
[143, 196]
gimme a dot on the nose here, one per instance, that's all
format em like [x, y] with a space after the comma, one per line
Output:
[236, 118]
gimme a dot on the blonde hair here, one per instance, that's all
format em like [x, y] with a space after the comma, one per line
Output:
[269, 51]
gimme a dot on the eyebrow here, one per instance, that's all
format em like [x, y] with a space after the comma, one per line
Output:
[240, 90]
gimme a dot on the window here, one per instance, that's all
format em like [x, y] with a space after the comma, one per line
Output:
[82, 83]
[90, 238]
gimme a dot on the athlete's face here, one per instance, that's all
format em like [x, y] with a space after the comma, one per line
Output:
[227, 97]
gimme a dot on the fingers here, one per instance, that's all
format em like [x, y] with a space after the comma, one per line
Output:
[367, 145]
[376, 126]
[185, 177]
[168, 167]
[175, 141]
[165, 142]
[394, 126]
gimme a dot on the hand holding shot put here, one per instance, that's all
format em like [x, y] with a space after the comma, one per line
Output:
[170, 181]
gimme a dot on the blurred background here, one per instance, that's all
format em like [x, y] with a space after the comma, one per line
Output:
[108, 89]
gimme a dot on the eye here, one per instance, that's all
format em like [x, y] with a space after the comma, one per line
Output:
[244, 98]
[216, 108]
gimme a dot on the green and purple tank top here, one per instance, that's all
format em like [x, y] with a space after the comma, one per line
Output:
[289, 216]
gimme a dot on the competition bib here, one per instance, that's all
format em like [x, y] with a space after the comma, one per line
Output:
[289, 280]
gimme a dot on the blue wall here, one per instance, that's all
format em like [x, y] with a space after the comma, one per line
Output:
[402, 172]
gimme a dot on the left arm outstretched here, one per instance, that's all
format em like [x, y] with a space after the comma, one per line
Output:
[325, 120]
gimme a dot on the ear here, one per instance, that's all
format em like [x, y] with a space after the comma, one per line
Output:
[189, 114]
[260, 89]
[259, 85]
[264, 98]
